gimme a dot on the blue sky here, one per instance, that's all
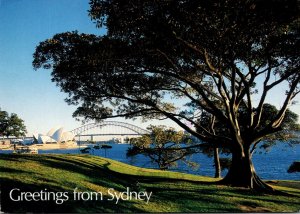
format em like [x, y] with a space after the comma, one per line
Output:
[24, 91]
[30, 93]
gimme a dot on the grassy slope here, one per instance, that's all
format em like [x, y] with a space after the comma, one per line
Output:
[172, 192]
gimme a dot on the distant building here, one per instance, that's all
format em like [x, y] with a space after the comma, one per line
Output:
[55, 135]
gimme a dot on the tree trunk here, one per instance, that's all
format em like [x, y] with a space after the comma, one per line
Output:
[242, 172]
[217, 163]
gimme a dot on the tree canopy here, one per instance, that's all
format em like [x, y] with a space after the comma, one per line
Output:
[11, 125]
[174, 59]
[4, 117]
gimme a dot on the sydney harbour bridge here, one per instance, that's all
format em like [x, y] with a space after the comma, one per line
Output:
[108, 129]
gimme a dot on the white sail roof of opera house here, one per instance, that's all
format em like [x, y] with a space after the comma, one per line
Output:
[53, 130]
[57, 134]
[45, 139]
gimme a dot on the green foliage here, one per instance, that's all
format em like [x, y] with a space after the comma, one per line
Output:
[4, 117]
[164, 146]
[11, 125]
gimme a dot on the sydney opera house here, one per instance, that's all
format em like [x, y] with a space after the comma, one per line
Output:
[55, 136]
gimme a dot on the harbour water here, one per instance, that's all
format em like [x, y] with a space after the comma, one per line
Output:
[272, 165]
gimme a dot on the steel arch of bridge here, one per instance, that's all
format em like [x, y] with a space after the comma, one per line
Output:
[89, 126]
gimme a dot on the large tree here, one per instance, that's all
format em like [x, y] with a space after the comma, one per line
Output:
[157, 56]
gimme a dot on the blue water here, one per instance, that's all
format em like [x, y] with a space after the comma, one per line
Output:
[271, 165]
[275, 163]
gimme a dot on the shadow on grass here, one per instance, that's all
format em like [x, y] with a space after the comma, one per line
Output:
[4, 170]
[101, 172]
[186, 196]
[96, 174]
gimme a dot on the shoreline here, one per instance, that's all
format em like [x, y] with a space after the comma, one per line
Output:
[46, 147]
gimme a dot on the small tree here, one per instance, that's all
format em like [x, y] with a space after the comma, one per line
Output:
[4, 117]
[16, 126]
[162, 146]
[11, 125]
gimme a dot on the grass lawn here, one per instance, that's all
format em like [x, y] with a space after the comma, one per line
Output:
[171, 191]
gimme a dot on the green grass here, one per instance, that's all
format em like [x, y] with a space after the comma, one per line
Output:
[171, 191]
